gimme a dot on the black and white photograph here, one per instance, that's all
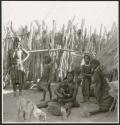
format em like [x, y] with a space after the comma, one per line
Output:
[60, 61]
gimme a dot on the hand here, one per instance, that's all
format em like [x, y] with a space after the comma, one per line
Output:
[48, 50]
[23, 60]
[60, 50]
[68, 95]
[60, 95]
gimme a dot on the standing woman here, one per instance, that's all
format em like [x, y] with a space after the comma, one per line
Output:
[15, 65]
[86, 73]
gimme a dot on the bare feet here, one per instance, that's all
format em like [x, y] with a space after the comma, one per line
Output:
[68, 113]
[64, 113]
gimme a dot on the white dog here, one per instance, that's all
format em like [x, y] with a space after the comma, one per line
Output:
[29, 110]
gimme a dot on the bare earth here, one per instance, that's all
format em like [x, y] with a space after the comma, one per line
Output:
[10, 112]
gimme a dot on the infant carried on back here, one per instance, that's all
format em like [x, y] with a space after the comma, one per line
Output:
[64, 90]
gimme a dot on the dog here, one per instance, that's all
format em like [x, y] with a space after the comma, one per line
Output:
[29, 110]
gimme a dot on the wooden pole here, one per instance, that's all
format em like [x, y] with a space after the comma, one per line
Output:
[45, 50]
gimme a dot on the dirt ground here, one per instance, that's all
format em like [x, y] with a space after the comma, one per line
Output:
[9, 108]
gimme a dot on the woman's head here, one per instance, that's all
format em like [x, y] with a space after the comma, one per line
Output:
[87, 58]
[70, 76]
[17, 42]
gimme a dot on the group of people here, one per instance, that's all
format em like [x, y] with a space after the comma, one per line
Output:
[68, 88]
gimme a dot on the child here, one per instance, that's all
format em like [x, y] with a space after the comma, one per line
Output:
[45, 80]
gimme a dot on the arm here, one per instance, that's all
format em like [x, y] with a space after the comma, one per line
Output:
[86, 74]
[73, 96]
[10, 52]
[27, 55]
[65, 94]
[99, 83]
[8, 62]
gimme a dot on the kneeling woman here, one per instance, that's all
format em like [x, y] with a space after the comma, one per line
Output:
[104, 100]
[67, 92]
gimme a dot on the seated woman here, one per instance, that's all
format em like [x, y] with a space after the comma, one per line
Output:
[67, 92]
[104, 100]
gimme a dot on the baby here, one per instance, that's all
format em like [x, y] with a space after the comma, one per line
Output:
[64, 90]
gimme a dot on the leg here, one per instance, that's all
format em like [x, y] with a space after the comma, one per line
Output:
[112, 107]
[88, 81]
[24, 114]
[20, 88]
[88, 99]
[83, 92]
[42, 105]
[14, 88]
[97, 111]
[64, 113]
[21, 81]
[44, 118]
[44, 95]
[18, 114]
[13, 75]
[76, 104]
[50, 92]
[84, 99]
[68, 107]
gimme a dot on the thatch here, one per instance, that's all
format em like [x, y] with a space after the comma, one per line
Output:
[108, 55]
[39, 39]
